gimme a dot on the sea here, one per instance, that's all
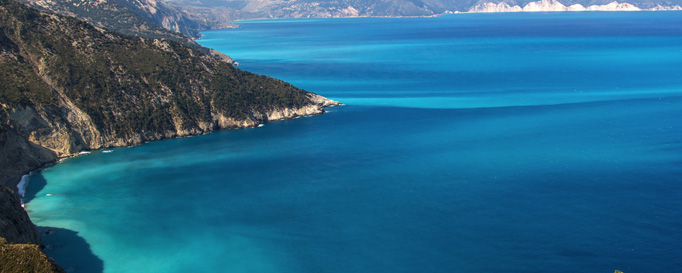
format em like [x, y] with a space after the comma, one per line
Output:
[507, 142]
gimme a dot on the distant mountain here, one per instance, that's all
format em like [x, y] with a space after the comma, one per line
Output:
[245, 9]
[170, 19]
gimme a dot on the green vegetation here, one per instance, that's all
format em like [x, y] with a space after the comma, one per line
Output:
[17, 258]
[115, 15]
[125, 84]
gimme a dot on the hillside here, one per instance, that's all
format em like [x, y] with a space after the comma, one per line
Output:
[25, 258]
[66, 86]
[145, 18]
[112, 15]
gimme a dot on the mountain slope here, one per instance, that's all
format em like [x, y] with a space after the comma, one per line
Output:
[114, 15]
[145, 18]
[66, 86]
[175, 18]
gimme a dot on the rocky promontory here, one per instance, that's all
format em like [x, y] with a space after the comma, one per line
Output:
[67, 86]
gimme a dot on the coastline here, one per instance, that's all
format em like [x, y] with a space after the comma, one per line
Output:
[489, 7]
[190, 135]
[318, 103]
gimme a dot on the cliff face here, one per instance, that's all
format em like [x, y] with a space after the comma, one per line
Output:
[114, 15]
[145, 18]
[175, 18]
[66, 86]
[18, 155]
[19, 239]
[15, 226]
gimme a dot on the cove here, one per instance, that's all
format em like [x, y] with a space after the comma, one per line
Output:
[468, 143]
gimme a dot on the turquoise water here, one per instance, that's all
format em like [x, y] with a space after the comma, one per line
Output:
[468, 143]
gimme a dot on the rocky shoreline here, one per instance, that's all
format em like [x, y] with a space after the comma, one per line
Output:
[35, 157]
[20, 240]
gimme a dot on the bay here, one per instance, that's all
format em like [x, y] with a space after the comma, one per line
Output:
[523, 142]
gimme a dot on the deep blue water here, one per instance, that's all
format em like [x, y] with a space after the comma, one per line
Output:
[530, 142]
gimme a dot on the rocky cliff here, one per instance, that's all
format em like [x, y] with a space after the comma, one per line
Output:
[15, 226]
[115, 15]
[554, 5]
[66, 86]
[145, 18]
[19, 239]
[175, 18]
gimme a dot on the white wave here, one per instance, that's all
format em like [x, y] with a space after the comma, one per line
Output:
[48, 194]
[84, 152]
[261, 125]
[23, 183]
[107, 151]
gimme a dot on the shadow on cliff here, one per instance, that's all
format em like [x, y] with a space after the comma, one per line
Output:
[18, 156]
[35, 185]
[70, 250]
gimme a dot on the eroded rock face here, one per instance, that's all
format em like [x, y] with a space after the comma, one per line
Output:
[15, 226]
[19, 156]
[68, 86]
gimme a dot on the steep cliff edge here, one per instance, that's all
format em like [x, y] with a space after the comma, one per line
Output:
[19, 239]
[66, 86]
[15, 226]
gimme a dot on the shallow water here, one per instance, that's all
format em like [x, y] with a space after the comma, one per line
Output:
[468, 143]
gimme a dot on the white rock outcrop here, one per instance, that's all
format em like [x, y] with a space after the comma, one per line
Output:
[554, 5]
